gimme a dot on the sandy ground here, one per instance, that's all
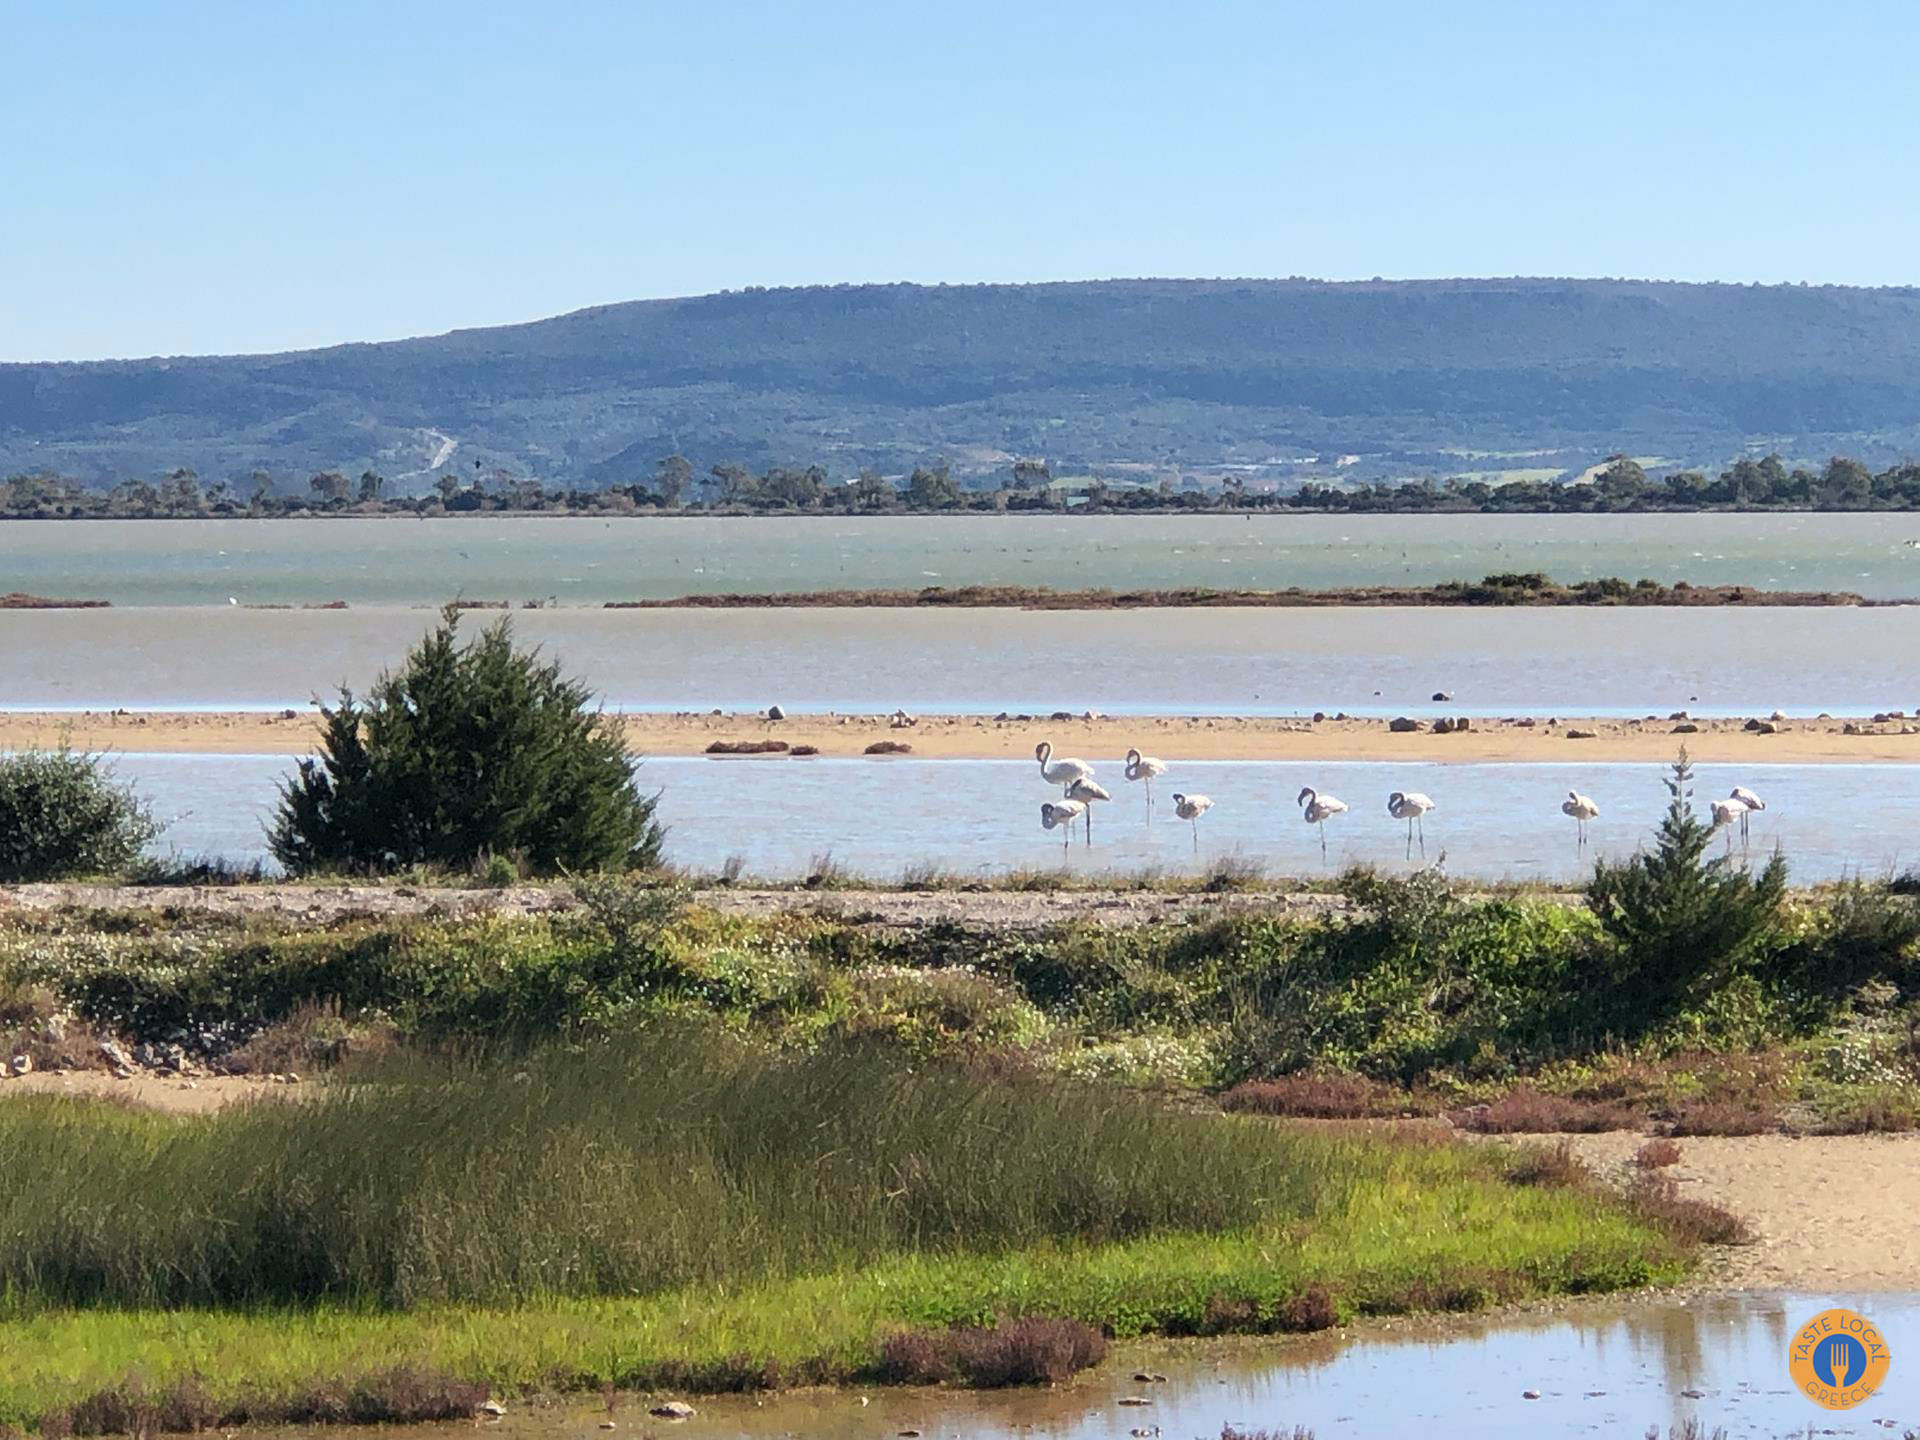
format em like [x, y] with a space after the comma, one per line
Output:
[1171, 737]
[168, 1093]
[1832, 1213]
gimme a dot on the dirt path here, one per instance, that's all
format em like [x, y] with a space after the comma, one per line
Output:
[999, 909]
[1832, 1213]
[1894, 740]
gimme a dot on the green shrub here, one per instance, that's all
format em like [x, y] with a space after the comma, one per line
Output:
[62, 814]
[1677, 923]
[467, 753]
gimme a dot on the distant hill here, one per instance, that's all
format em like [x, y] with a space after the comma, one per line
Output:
[1412, 376]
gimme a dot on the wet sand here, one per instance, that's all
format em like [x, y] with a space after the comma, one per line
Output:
[982, 737]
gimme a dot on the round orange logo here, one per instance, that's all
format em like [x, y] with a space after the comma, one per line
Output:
[1838, 1359]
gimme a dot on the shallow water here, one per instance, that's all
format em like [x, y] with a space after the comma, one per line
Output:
[981, 817]
[587, 561]
[1364, 661]
[1607, 1369]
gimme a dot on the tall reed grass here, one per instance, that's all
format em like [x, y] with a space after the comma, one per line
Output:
[649, 1161]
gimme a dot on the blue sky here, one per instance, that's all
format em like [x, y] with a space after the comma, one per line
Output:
[208, 177]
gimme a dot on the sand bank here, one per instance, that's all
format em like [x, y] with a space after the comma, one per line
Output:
[1830, 1213]
[1491, 739]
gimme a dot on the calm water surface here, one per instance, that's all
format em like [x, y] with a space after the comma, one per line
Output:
[587, 561]
[981, 817]
[1368, 661]
[1607, 1370]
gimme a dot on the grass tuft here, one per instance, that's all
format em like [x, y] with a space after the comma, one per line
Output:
[1657, 1200]
[1529, 1111]
[1034, 1350]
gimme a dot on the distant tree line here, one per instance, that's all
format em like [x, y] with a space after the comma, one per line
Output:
[677, 487]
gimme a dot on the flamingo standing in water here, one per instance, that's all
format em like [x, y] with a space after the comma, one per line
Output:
[1191, 808]
[1320, 809]
[1725, 814]
[1062, 772]
[1410, 805]
[1145, 767]
[1057, 813]
[1086, 792]
[1747, 798]
[1582, 809]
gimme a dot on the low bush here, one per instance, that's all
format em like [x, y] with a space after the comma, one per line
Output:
[1658, 1201]
[1721, 1117]
[1315, 1095]
[1548, 1165]
[1034, 1350]
[1884, 1113]
[63, 814]
[1657, 1153]
[1529, 1111]
[395, 1397]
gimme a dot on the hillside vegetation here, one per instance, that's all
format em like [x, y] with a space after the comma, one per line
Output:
[1155, 372]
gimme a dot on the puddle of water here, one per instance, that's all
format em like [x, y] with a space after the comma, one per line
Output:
[1607, 1369]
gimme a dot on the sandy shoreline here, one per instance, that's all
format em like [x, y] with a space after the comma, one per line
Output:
[1491, 739]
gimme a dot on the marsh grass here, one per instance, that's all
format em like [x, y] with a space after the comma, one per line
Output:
[677, 1208]
[483, 1188]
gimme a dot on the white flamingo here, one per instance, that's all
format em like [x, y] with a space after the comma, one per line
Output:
[1056, 813]
[1582, 809]
[1191, 808]
[1320, 809]
[1086, 792]
[1725, 814]
[1145, 767]
[1410, 806]
[1062, 772]
[1747, 798]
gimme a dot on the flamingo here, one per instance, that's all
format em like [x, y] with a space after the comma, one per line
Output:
[1191, 808]
[1747, 798]
[1320, 809]
[1087, 792]
[1410, 806]
[1054, 814]
[1725, 813]
[1145, 767]
[1582, 809]
[1061, 772]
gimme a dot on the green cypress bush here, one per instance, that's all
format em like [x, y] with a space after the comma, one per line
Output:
[467, 752]
[62, 814]
[1677, 922]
